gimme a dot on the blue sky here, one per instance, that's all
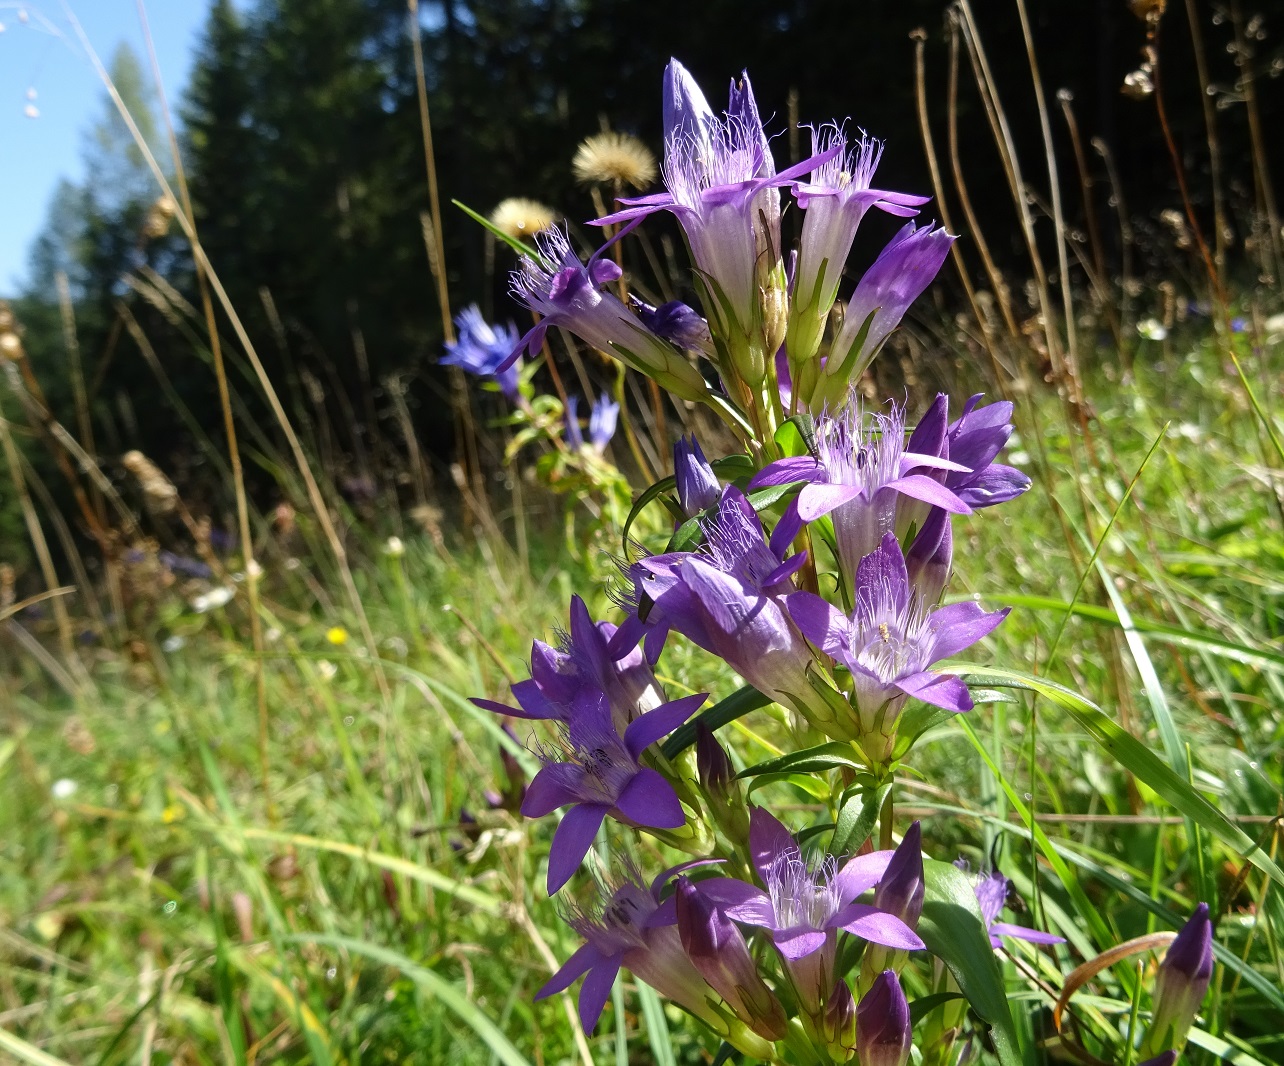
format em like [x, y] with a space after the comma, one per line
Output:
[43, 68]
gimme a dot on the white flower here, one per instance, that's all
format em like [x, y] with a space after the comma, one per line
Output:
[173, 644]
[1152, 329]
[216, 597]
[394, 547]
[327, 669]
[63, 787]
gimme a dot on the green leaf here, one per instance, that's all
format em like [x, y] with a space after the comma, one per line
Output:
[686, 537]
[434, 984]
[657, 1029]
[797, 436]
[953, 930]
[810, 787]
[829, 756]
[729, 467]
[857, 818]
[519, 247]
[924, 1006]
[914, 723]
[737, 705]
[1135, 757]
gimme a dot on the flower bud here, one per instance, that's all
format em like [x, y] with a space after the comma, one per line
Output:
[698, 487]
[1183, 979]
[717, 780]
[676, 322]
[1168, 1058]
[931, 557]
[900, 892]
[883, 1024]
[718, 950]
[840, 1021]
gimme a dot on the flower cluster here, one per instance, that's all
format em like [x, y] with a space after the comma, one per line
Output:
[818, 573]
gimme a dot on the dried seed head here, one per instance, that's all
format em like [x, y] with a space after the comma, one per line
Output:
[618, 158]
[158, 490]
[159, 217]
[518, 217]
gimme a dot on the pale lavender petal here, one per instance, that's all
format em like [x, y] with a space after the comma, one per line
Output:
[595, 990]
[649, 800]
[860, 874]
[572, 841]
[645, 730]
[960, 625]
[884, 568]
[798, 942]
[785, 472]
[584, 959]
[730, 894]
[922, 487]
[940, 690]
[1020, 932]
[546, 793]
[817, 500]
[661, 201]
[820, 621]
[878, 927]
[768, 840]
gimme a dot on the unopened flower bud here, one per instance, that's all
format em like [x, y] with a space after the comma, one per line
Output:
[840, 1020]
[900, 892]
[698, 487]
[1168, 1058]
[717, 779]
[675, 322]
[718, 951]
[883, 1023]
[1183, 979]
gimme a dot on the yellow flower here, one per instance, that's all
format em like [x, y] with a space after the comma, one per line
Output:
[337, 635]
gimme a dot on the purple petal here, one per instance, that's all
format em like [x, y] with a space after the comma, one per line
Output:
[649, 800]
[940, 690]
[806, 166]
[718, 598]
[884, 567]
[546, 793]
[585, 958]
[503, 708]
[738, 900]
[817, 500]
[768, 840]
[785, 570]
[861, 874]
[534, 700]
[645, 730]
[1020, 932]
[798, 942]
[878, 927]
[572, 841]
[661, 201]
[786, 472]
[595, 990]
[820, 621]
[922, 487]
[786, 530]
[531, 342]
[626, 638]
[960, 625]
[664, 876]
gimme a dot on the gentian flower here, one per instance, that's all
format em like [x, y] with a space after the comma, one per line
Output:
[483, 349]
[698, 486]
[901, 890]
[601, 776]
[631, 927]
[721, 183]
[903, 269]
[718, 950]
[835, 199]
[992, 896]
[568, 293]
[1181, 983]
[727, 599]
[571, 418]
[805, 905]
[883, 1028]
[863, 474]
[889, 642]
[582, 667]
[602, 421]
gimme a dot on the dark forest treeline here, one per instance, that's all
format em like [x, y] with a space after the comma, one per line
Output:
[301, 140]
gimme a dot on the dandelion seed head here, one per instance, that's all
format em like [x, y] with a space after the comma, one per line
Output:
[619, 158]
[518, 217]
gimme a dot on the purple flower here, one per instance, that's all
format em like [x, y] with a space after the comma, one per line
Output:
[992, 896]
[721, 184]
[582, 667]
[568, 293]
[630, 927]
[718, 950]
[483, 349]
[863, 474]
[727, 599]
[890, 641]
[1182, 983]
[697, 484]
[571, 418]
[883, 1029]
[805, 905]
[602, 421]
[601, 776]
[1168, 1058]
[884, 293]
[676, 322]
[835, 200]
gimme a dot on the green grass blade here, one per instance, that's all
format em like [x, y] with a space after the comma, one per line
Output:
[25, 1052]
[657, 1027]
